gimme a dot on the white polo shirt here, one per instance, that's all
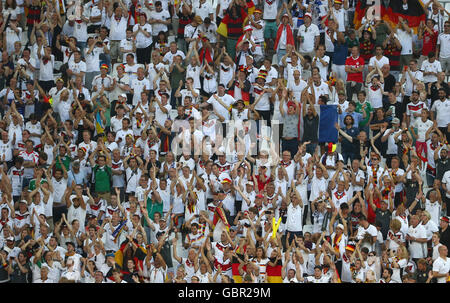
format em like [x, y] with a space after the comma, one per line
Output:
[427, 67]
[118, 30]
[308, 34]
[442, 111]
[442, 266]
[416, 249]
[294, 218]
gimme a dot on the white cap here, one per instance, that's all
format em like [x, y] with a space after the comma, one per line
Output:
[340, 226]
[21, 62]
[123, 95]
[71, 18]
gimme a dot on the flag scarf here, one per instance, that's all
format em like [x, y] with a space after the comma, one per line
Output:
[289, 36]
[219, 214]
[48, 100]
[138, 258]
[205, 54]
[118, 230]
[99, 124]
[391, 12]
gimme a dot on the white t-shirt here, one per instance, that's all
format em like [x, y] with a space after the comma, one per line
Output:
[93, 59]
[444, 42]
[77, 213]
[227, 100]
[371, 230]
[46, 70]
[118, 30]
[320, 90]
[442, 112]
[416, 249]
[427, 67]
[141, 40]
[139, 86]
[442, 266]
[384, 60]
[308, 34]
[77, 68]
[270, 9]
[406, 40]
[159, 27]
[323, 69]
[445, 180]
[422, 128]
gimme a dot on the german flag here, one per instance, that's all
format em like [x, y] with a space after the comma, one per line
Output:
[274, 272]
[222, 29]
[415, 13]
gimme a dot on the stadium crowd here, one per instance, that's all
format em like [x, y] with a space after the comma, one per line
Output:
[230, 141]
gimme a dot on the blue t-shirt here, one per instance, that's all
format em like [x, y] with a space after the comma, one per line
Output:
[347, 146]
[340, 53]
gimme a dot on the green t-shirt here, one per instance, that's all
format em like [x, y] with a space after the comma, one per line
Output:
[368, 110]
[65, 160]
[32, 184]
[153, 207]
[102, 178]
[351, 43]
[176, 76]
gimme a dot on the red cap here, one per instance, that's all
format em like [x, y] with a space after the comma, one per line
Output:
[445, 219]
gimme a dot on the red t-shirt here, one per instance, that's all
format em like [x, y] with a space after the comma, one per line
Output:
[355, 62]
[429, 42]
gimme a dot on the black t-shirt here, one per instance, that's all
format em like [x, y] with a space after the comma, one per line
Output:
[422, 276]
[18, 276]
[166, 254]
[445, 237]
[435, 93]
[384, 217]
[395, 109]
[357, 145]
[311, 126]
[389, 83]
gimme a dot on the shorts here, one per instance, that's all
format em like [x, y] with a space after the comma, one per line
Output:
[270, 30]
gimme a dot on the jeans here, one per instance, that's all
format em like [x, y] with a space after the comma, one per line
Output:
[311, 148]
[348, 155]
[82, 46]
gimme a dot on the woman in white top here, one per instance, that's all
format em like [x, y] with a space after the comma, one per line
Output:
[143, 34]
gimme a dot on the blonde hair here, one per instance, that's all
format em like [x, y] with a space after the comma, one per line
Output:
[396, 225]
[402, 252]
